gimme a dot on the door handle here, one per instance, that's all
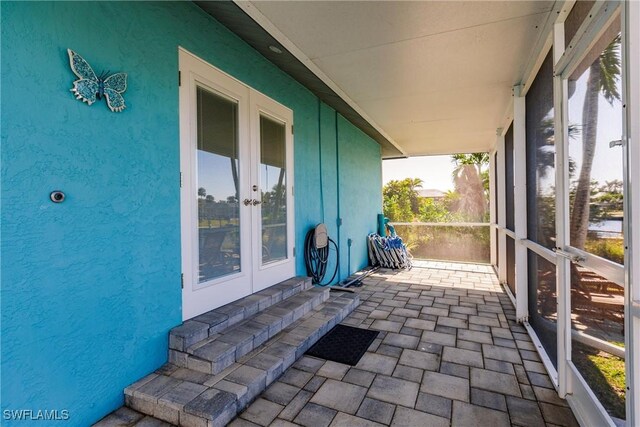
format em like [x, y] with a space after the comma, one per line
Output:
[255, 202]
[575, 258]
[246, 202]
[616, 143]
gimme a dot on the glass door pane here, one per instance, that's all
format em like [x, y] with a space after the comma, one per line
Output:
[596, 217]
[217, 184]
[273, 190]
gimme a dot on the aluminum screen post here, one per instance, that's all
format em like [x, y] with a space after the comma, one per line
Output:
[560, 91]
[520, 203]
[502, 210]
[631, 138]
[492, 208]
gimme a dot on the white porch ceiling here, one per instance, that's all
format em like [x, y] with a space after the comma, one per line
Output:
[435, 76]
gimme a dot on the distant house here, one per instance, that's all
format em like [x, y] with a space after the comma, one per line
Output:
[430, 193]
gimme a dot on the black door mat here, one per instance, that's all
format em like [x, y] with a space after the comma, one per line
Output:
[343, 344]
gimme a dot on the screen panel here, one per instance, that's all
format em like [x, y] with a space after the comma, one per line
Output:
[509, 179]
[575, 18]
[511, 264]
[543, 312]
[541, 224]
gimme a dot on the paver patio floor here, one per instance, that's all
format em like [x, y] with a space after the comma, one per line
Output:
[449, 353]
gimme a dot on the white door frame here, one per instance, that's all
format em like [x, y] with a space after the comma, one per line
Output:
[198, 298]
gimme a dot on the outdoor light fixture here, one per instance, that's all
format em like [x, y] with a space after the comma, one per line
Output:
[275, 49]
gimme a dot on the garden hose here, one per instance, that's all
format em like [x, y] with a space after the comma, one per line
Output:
[317, 245]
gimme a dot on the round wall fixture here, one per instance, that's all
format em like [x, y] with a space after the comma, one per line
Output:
[57, 196]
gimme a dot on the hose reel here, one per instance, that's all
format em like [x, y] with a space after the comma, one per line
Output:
[317, 247]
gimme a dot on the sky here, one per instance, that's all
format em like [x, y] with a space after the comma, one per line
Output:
[608, 161]
[607, 164]
[435, 171]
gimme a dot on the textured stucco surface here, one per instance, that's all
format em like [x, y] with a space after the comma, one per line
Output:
[360, 170]
[90, 287]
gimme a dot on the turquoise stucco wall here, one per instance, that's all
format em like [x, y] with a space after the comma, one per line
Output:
[357, 197]
[350, 164]
[90, 287]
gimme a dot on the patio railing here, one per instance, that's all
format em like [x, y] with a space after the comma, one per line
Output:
[459, 241]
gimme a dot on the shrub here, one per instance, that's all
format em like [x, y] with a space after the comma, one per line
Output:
[611, 249]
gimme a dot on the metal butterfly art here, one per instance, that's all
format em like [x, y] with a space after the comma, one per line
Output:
[90, 87]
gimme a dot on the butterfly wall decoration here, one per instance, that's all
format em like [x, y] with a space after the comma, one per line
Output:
[90, 86]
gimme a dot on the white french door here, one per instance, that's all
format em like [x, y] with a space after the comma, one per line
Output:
[272, 190]
[236, 160]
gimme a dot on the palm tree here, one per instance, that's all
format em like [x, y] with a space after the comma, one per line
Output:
[604, 75]
[413, 185]
[472, 184]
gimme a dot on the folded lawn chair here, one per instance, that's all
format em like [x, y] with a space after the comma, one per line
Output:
[388, 252]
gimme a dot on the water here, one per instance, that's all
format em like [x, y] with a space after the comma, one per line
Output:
[607, 228]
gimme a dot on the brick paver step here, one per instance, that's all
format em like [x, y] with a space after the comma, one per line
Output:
[213, 322]
[188, 397]
[216, 352]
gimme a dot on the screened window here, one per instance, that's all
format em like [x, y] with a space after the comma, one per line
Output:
[596, 183]
[543, 312]
[575, 18]
[595, 172]
[511, 264]
[541, 226]
[508, 166]
[495, 199]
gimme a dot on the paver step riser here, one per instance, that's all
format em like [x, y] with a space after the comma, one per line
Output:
[216, 321]
[177, 417]
[218, 352]
[171, 396]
